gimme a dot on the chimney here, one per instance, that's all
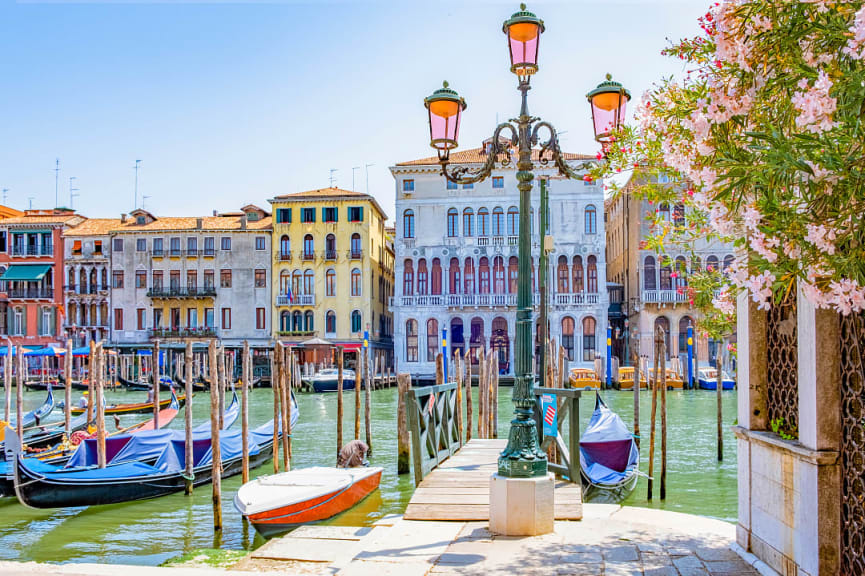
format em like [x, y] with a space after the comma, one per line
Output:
[215, 213]
[199, 223]
[243, 222]
[123, 218]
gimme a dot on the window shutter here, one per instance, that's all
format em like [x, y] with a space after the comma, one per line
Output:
[24, 321]
[10, 321]
[336, 214]
[324, 214]
[38, 321]
[360, 214]
[289, 215]
[52, 328]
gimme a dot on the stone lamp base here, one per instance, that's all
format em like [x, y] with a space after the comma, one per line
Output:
[522, 506]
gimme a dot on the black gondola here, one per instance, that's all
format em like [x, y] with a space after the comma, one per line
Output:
[76, 384]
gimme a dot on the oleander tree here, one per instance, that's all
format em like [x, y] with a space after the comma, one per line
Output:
[764, 138]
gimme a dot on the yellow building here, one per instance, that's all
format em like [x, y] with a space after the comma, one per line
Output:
[333, 270]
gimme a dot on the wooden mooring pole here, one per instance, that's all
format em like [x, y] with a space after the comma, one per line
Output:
[458, 378]
[718, 388]
[7, 381]
[216, 367]
[403, 382]
[285, 387]
[358, 384]
[19, 393]
[637, 393]
[367, 398]
[491, 382]
[482, 393]
[187, 357]
[276, 382]
[100, 406]
[91, 378]
[468, 363]
[67, 393]
[244, 411]
[663, 416]
[154, 378]
[653, 381]
[339, 404]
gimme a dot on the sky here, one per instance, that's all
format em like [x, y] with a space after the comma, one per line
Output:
[230, 103]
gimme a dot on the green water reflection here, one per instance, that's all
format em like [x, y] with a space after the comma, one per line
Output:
[152, 531]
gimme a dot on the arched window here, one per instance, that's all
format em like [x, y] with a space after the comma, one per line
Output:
[684, 322]
[589, 327]
[711, 263]
[70, 281]
[649, 280]
[432, 340]
[355, 245]
[568, 336]
[330, 282]
[664, 211]
[476, 338]
[483, 222]
[355, 321]
[562, 273]
[284, 248]
[411, 340]
[454, 286]
[296, 321]
[284, 321]
[666, 274]
[297, 283]
[469, 276]
[513, 274]
[499, 275]
[591, 220]
[484, 276]
[679, 215]
[408, 278]
[104, 275]
[468, 222]
[284, 282]
[422, 277]
[500, 343]
[436, 280]
[308, 282]
[330, 322]
[456, 336]
[82, 281]
[696, 264]
[578, 274]
[728, 260]
[665, 324]
[513, 221]
[408, 224]
[93, 281]
[308, 322]
[355, 282]
[330, 247]
[681, 273]
[498, 221]
[592, 275]
[308, 247]
[453, 216]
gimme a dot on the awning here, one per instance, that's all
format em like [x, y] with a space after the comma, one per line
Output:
[25, 272]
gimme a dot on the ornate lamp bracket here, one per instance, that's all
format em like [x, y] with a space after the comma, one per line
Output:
[550, 152]
[465, 175]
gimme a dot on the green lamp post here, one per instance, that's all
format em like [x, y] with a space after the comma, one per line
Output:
[522, 458]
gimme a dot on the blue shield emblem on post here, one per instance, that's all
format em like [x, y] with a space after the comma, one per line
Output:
[550, 416]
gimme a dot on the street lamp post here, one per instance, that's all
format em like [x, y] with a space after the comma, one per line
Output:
[522, 458]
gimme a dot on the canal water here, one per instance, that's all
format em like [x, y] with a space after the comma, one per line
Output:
[153, 531]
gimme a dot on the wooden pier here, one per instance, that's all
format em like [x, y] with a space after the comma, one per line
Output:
[459, 488]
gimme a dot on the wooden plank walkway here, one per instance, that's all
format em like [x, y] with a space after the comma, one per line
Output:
[459, 489]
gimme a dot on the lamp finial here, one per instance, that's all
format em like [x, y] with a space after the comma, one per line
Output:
[445, 83]
[523, 6]
[609, 76]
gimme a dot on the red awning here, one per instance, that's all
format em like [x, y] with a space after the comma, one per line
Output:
[350, 347]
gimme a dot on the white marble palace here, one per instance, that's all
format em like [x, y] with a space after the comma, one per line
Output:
[456, 263]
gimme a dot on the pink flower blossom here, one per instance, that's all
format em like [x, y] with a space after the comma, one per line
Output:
[855, 47]
[724, 303]
[821, 237]
[751, 217]
[764, 246]
[814, 104]
[760, 287]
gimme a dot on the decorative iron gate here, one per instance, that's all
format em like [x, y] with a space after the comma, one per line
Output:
[783, 350]
[853, 444]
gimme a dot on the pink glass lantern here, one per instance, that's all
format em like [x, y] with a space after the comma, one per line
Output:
[524, 33]
[445, 110]
[609, 102]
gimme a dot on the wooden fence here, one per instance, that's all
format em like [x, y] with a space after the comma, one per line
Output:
[567, 455]
[433, 425]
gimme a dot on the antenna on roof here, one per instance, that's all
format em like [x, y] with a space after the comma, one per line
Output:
[144, 202]
[332, 170]
[135, 199]
[353, 168]
[30, 200]
[57, 182]
[367, 177]
[5, 194]
[72, 192]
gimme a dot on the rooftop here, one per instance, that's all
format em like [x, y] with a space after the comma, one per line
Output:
[165, 223]
[94, 227]
[46, 217]
[330, 193]
[480, 155]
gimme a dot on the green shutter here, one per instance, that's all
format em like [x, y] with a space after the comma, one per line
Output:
[336, 214]
[360, 214]
[52, 330]
[10, 320]
[324, 214]
[313, 214]
[39, 322]
[289, 215]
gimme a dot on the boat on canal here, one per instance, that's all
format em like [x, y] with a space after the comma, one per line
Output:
[136, 407]
[626, 379]
[279, 502]
[584, 379]
[36, 416]
[327, 380]
[141, 466]
[609, 457]
[707, 379]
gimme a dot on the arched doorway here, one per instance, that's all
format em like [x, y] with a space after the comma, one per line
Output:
[664, 323]
[501, 344]
[457, 338]
[476, 338]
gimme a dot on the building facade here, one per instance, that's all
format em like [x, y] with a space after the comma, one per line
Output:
[31, 275]
[332, 269]
[456, 263]
[177, 277]
[87, 265]
[655, 288]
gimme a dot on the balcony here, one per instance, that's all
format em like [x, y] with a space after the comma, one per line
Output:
[297, 300]
[665, 296]
[284, 256]
[307, 256]
[192, 253]
[80, 290]
[200, 332]
[355, 254]
[30, 293]
[175, 253]
[409, 242]
[47, 250]
[157, 253]
[188, 292]
[209, 252]
[498, 240]
[483, 241]
[306, 333]
[513, 240]
[576, 299]
[330, 254]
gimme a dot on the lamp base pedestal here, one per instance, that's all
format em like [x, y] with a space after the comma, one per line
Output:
[522, 506]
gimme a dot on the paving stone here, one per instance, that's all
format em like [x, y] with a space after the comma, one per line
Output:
[574, 569]
[475, 531]
[385, 569]
[729, 567]
[621, 554]
[716, 554]
[679, 551]
[623, 569]
[690, 566]
[660, 571]
[650, 547]
[581, 558]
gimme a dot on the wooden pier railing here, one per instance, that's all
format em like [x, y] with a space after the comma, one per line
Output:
[433, 426]
[567, 462]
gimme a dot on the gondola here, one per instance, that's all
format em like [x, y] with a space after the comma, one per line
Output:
[76, 384]
[37, 416]
[609, 457]
[133, 408]
[139, 386]
[198, 384]
[144, 466]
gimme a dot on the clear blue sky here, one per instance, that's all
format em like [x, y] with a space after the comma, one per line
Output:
[232, 103]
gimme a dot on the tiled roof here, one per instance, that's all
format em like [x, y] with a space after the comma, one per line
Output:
[191, 223]
[94, 227]
[63, 218]
[332, 192]
[479, 156]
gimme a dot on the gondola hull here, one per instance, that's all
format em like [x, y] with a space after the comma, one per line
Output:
[331, 385]
[136, 408]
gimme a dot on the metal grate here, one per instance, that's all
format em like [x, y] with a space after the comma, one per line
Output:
[853, 444]
[782, 347]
